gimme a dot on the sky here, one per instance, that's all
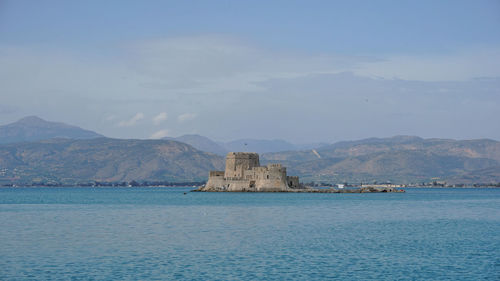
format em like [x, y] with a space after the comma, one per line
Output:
[302, 71]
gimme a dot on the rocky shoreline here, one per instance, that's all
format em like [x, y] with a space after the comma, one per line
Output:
[313, 190]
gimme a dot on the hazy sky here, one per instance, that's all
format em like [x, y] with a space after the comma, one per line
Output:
[304, 71]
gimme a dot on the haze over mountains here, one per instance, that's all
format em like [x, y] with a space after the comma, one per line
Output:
[201, 143]
[33, 150]
[250, 145]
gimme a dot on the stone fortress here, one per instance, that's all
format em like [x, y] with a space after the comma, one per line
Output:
[244, 173]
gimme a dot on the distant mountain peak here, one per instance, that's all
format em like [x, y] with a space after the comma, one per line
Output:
[34, 128]
[34, 121]
[30, 117]
[30, 120]
[192, 135]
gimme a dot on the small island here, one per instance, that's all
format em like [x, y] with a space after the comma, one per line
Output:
[243, 173]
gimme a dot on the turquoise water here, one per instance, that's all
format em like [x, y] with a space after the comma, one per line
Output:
[160, 233]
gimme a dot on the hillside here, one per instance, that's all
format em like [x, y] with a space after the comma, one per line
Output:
[201, 143]
[32, 128]
[398, 159]
[104, 159]
[481, 148]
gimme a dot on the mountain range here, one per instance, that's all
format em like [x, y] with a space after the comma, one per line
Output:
[33, 128]
[253, 145]
[104, 159]
[34, 150]
[396, 159]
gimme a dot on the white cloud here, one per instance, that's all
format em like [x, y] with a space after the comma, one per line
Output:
[159, 134]
[132, 121]
[161, 117]
[186, 117]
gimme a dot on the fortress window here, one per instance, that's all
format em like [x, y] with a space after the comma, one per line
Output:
[267, 176]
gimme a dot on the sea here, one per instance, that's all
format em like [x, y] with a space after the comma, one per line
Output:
[154, 233]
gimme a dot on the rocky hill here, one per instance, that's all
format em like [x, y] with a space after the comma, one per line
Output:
[398, 159]
[32, 128]
[201, 143]
[104, 159]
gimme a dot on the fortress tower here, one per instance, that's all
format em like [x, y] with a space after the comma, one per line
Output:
[238, 162]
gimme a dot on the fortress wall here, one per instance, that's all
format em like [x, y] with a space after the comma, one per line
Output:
[256, 173]
[215, 184]
[276, 171]
[271, 178]
[240, 185]
[271, 185]
[215, 180]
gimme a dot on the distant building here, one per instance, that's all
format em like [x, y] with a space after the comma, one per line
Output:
[244, 173]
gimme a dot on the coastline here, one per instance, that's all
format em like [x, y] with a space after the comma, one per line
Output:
[313, 190]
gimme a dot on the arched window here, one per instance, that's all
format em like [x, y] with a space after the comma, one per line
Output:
[267, 176]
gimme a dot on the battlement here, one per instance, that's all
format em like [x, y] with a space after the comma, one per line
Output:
[242, 154]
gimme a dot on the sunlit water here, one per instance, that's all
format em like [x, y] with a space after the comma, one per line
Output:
[161, 233]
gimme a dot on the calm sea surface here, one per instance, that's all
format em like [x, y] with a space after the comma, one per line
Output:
[160, 233]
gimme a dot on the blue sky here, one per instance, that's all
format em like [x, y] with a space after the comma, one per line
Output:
[347, 27]
[304, 71]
